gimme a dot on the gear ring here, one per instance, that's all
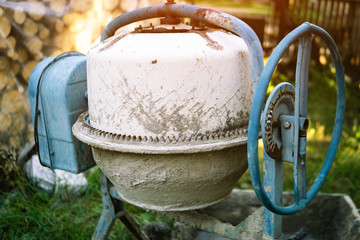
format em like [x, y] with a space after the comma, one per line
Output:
[280, 102]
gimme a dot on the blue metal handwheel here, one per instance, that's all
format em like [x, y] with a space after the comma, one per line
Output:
[304, 33]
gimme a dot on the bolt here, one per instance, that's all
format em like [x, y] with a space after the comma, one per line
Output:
[287, 124]
[52, 153]
[106, 207]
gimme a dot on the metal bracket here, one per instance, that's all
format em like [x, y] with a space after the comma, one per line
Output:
[287, 138]
[114, 209]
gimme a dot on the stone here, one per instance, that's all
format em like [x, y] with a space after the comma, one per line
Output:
[158, 231]
[183, 232]
[57, 181]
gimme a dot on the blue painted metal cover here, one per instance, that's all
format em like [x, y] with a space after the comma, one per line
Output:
[57, 92]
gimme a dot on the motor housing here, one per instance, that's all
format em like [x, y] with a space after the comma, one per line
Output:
[57, 93]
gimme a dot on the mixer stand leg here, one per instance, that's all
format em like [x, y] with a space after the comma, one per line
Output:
[112, 210]
[273, 181]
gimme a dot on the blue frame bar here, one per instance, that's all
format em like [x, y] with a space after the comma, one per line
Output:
[301, 110]
[273, 183]
[113, 209]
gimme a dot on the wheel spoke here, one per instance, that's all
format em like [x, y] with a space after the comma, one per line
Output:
[301, 110]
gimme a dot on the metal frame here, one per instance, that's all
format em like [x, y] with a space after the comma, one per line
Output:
[113, 209]
[250, 228]
[302, 198]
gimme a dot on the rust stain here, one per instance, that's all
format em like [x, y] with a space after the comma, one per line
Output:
[154, 62]
[211, 43]
[112, 42]
[215, 17]
[205, 11]
[242, 54]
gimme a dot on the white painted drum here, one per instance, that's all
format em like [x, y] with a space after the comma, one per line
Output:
[169, 84]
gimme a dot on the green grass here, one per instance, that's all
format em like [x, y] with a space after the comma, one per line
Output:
[250, 7]
[27, 212]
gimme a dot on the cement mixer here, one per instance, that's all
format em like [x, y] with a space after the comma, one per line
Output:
[171, 115]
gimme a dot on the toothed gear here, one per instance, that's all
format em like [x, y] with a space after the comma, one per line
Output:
[281, 101]
[83, 130]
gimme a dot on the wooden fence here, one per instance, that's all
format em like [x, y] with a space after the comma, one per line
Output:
[341, 18]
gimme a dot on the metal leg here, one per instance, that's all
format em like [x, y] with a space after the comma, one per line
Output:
[108, 217]
[104, 225]
[112, 210]
[273, 183]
